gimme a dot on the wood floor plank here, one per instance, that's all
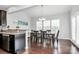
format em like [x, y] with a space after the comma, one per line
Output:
[64, 47]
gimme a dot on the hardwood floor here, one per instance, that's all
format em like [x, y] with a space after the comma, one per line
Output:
[64, 47]
[3, 52]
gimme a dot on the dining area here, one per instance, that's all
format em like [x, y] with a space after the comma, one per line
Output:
[43, 38]
[48, 42]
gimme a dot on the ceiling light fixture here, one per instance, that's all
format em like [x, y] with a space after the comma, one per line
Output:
[42, 14]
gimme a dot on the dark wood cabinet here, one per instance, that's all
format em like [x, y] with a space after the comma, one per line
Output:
[12, 44]
[3, 21]
[1, 40]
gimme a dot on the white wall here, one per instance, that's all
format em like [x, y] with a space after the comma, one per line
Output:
[75, 10]
[13, 17]
[64, 24]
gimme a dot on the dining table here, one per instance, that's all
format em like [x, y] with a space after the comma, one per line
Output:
[42, 33]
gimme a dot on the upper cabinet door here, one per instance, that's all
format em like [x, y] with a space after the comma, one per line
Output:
[3, 21]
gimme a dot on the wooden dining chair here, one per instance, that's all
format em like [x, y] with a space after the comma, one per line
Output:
[39, 38]
[43, 36]
[48, 31]
[56, 37]
[35, 36]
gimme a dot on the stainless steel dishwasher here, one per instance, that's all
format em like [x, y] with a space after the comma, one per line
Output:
[5, 42]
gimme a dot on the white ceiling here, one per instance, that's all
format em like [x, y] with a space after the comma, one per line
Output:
[4, 7]
[16, 8]
[38, 10]
[48, 10]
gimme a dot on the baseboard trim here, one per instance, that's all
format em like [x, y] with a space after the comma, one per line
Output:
[63, 39]
[75, 44]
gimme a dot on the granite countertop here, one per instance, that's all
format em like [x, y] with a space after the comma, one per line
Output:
[13, 33]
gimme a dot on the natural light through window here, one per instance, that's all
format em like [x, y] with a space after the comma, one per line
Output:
[46, 25]
[55, 25]
[77, 29]
[39, 25]
[74, 28]
[52, 25]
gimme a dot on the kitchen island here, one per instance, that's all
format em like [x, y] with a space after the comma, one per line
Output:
[13, 41]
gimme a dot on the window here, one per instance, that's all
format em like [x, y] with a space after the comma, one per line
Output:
[77, 39]
[46, 25]
[39, 25]
[54, 25]
[74, 28]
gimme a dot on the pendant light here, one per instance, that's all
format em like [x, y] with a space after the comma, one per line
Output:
[42, 14]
